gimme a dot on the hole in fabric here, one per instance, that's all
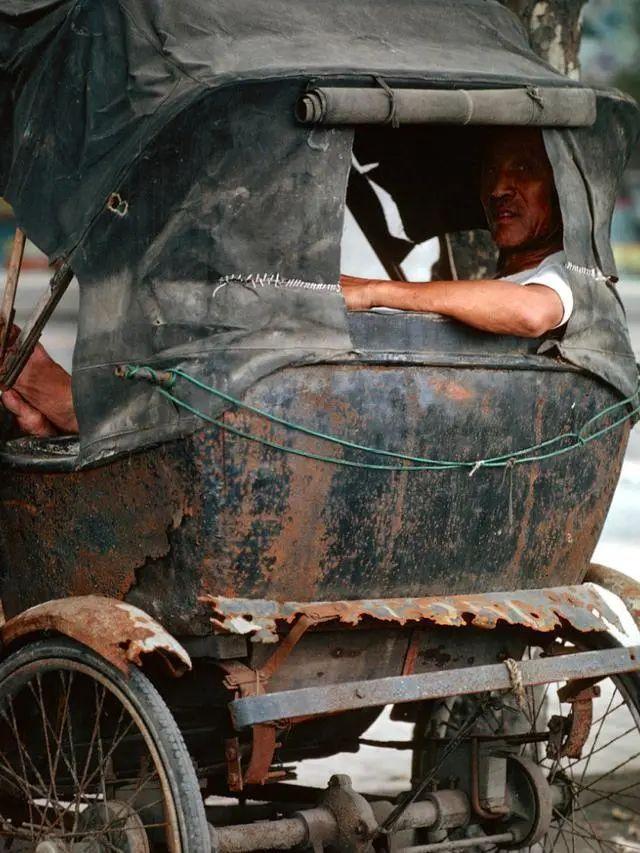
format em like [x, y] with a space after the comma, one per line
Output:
[117, 204]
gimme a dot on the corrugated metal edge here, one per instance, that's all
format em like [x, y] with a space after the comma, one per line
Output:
[545, 610]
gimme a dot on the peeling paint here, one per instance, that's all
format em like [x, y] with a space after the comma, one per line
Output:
[118, 632]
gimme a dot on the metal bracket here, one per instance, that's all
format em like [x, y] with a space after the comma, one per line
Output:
[580, 694]
[317, 701]
[246, 681]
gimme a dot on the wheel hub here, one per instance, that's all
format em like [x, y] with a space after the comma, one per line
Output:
[530, 802]
[116, 824]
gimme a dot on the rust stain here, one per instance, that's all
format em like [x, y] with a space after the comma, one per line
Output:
[452, 390]
[91, 531]
[17, 504]
[532, 473]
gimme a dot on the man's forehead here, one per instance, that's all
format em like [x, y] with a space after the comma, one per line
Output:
[505, 142]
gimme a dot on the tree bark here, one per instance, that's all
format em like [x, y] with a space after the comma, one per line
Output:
[554, 28]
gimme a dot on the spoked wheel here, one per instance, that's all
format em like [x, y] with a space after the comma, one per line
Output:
[91, 761]
[592, 802]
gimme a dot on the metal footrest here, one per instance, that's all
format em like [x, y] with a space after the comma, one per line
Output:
[330, 699]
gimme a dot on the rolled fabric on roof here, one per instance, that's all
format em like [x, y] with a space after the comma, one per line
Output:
[542, 107]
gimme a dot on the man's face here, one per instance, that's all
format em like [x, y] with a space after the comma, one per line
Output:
[517, 190]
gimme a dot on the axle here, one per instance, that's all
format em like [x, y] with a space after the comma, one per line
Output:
[344, 820]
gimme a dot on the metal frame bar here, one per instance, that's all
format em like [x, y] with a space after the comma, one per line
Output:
[334, 698]
[7, 311]
[32, 330]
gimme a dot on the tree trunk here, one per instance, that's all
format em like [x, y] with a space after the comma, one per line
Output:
[554, 28]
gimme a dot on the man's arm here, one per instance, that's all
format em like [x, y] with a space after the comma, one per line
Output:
[502, 307]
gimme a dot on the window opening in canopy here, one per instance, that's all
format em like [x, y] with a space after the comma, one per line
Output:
[358, 256]
[413, 203]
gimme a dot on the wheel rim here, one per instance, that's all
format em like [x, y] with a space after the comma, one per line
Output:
[602, 810]
[602, 776]
[72, 740]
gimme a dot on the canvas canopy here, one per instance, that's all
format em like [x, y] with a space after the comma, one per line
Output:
[156, 145]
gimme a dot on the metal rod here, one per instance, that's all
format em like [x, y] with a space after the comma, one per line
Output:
[450, 808]
[284, 834]
[32, 330]
[458, 845]
[315, 701]
[7, 311]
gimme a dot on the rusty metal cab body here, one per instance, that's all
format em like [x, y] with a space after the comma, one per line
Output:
[230, 544]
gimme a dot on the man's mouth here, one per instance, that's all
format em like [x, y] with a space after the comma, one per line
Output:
[504, 215]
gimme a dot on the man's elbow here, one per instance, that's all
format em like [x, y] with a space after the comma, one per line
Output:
[533, 322]
[540, 311]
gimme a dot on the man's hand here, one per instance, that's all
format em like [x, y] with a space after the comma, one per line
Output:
[41, 398]
[28, 420]
[357, 292]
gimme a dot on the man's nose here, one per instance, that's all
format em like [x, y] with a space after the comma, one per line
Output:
[502, 187]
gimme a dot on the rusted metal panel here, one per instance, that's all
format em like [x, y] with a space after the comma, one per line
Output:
[217, 514]
[118, 632]
[545, 610]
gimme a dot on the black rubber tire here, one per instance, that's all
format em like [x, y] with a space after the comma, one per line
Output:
[157, 718]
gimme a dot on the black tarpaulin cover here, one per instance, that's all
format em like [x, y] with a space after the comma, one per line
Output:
[185, 111]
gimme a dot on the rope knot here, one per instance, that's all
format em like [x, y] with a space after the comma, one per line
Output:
[517, 685]
[163, 378]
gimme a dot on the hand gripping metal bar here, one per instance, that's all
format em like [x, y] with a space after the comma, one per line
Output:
[32, 330]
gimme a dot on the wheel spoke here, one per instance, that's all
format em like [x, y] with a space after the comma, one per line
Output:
[51, 790]
[24, 757]
[88, 756]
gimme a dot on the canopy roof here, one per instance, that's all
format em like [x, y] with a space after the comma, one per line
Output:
[99, 78]
[156, 144]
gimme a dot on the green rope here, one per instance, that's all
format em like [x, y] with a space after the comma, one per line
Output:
[167, 379]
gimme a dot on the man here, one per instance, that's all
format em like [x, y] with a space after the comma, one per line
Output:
[41, 401]
[532, 295]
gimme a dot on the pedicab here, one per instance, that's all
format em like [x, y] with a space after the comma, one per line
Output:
[280, 518]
